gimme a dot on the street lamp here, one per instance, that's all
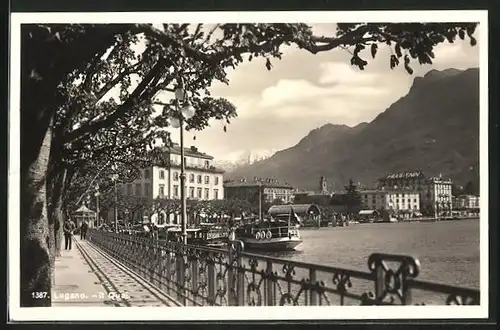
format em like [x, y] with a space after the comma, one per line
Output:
[187, 111]
[114, 178]
[96, 194]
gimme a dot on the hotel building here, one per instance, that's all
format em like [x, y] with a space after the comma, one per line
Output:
[203, 180]
[435, 192]
[392, 201]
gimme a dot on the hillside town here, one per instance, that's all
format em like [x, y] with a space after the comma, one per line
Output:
[154, 197]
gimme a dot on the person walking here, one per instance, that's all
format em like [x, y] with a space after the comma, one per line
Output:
[69, 228]
[83, 230]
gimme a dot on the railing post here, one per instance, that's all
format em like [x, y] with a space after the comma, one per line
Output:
[194, 277]
[379, 282]
[241, 281]
[168, 269]
[230, 276]
[405, 287]
[270, 289]
[181, 276]
[313, 295]
[211, 279]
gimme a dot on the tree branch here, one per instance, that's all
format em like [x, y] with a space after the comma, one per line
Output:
[132, 102]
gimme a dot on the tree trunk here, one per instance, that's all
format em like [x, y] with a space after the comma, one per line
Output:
[56, 215]
[34, 226]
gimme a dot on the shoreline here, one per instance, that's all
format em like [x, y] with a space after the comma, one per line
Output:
[426, 220]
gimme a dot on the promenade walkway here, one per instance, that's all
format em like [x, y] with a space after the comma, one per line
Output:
[88, 276]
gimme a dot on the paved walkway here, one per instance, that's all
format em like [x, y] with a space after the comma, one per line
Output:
[87, 276]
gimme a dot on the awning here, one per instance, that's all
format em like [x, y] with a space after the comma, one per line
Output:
[299, 209]
[367, 212]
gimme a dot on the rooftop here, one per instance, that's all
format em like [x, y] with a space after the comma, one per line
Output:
[269, 183]
[191, 151]
[405, 175]
[394, 191]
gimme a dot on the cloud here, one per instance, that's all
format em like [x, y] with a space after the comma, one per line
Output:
[343, 73]
[288, 92]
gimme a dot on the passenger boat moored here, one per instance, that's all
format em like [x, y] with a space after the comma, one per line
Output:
[270, 235]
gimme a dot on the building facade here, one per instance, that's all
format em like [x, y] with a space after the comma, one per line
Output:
[203, 180]
[435, 192]
[270, 191]
[466, 203]
[393, 201]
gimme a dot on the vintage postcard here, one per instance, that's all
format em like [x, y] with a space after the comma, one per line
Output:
[248, 165]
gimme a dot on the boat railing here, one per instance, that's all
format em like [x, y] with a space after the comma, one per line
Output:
[282, 231]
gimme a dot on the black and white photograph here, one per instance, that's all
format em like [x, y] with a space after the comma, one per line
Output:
[336, 167]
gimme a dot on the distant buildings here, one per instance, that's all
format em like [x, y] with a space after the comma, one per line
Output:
[466, 203]
[319, 197]
[270, 190]
[435, 192]
[392, 201]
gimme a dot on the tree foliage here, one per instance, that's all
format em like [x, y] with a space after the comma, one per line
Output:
[352, 198]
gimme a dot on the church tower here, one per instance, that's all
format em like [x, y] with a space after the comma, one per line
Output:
[322, 185]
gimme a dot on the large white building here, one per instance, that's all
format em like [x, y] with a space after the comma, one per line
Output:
[435, 192]
[203, 180]
[392, 201]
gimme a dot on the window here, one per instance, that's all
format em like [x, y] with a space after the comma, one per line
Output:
[207, 164]
[161, 192]
[198, 193]
[207, 193]
[129, 189]
[176, 191]
[138, 189]
[207, 179]
[191, 192]
[146, 174]
[162, 174]
[191, 178]
[216, 193]
[147, 189]
[199, 178]
[216, 180]
[414, 200]
[176, 176]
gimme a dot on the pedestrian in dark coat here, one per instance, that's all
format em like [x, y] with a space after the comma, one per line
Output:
[83, 230]
[68, 228]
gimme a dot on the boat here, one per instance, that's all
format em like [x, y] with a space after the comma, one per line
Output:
[203, 236]
[269, 235]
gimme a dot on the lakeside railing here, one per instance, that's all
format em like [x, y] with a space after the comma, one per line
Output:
[204, 276]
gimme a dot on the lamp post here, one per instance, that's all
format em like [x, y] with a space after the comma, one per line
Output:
[187, 111]
[96, 194]
[114, 178]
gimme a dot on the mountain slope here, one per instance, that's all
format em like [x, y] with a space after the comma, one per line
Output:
[434, 128]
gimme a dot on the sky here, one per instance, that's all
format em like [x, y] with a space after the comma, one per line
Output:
[277, 108]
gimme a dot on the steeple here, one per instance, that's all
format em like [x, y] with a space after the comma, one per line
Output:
[323, 185]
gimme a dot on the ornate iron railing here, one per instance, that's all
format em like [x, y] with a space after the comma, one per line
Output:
[203, 276]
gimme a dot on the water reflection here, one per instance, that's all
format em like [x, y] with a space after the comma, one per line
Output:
[293, 254]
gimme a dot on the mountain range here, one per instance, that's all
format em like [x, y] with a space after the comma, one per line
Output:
[434, 129]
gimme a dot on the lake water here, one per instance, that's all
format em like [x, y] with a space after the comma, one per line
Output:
[448, 251]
